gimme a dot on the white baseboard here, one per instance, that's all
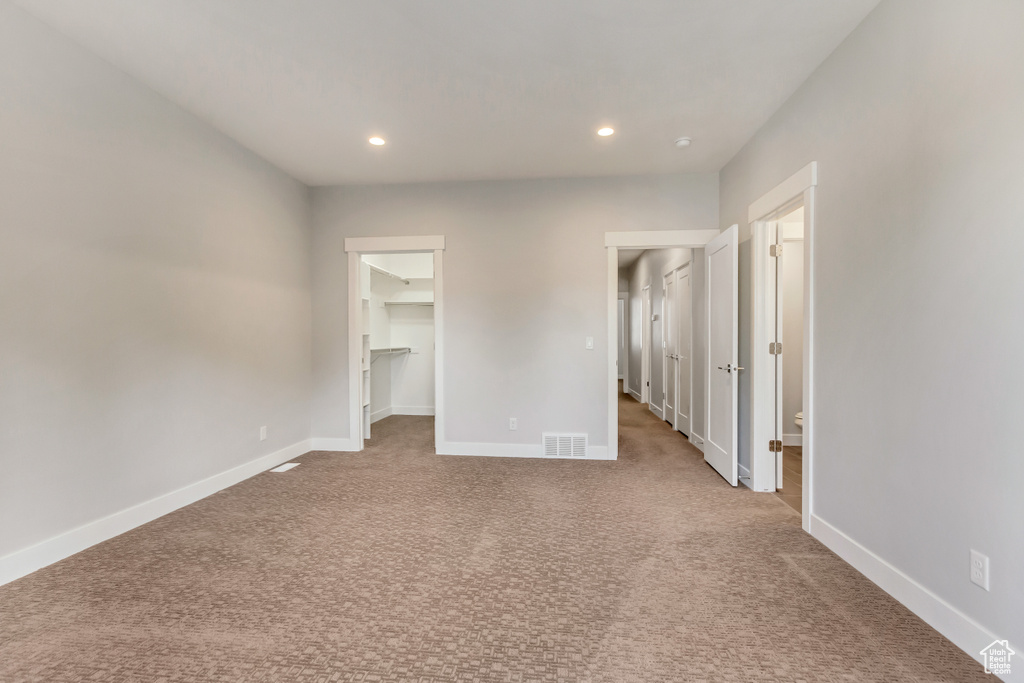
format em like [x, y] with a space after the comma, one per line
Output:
[347, 444]
[635, 395]
[512, 450]
[620, 378]
[657, 411]
[959, 628]
[380, 414]
[792, 439]
[23, 562]
[412, 410]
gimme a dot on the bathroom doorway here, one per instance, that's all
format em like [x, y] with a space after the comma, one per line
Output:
[781, 342]
[789, 278]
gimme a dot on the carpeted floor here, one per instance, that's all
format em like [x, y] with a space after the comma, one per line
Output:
[398, 565]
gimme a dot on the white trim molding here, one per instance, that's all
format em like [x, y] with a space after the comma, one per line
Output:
[412, 410]
[343, 445]
[785, 192]
[659, 239]
[964, 632]
[413, 243]
[513, 450]
[792, 439]
[23, 562]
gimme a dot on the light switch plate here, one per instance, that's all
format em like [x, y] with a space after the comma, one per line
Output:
[590, 343]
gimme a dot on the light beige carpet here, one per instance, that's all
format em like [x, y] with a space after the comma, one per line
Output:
[399, 565]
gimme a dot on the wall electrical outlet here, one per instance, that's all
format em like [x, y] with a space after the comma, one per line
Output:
[979, 569]
[263, 433]
[513, 424]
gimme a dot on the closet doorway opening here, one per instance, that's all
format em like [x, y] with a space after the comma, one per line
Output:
[395, 332]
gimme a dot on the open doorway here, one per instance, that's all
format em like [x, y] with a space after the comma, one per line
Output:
[680, 248]
[398, 336]
[787, 236]
[395, 331]
[657, 362]
[781, 350]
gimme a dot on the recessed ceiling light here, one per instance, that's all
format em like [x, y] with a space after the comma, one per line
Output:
[376, 141]
[605, 132]
[683, 142]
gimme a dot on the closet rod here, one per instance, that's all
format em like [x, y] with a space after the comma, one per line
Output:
[387, 272]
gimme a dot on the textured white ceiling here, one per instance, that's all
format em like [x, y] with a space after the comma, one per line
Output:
[469, 89]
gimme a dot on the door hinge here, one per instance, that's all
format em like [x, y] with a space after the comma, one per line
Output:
[775, 250]
[775, 349]
[774, 446]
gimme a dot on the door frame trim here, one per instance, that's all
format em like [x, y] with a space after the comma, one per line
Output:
[639, 239]
[798, 188]
[624, 298]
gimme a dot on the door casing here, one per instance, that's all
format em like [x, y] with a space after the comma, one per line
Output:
[798, 188]
[638, 239]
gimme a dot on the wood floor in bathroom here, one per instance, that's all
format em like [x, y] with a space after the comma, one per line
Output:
[792, 477]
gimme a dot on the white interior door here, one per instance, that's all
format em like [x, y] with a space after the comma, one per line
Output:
[723, 352]
[670, 371]
[684, 317]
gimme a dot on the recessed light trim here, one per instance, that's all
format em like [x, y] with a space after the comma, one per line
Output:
[683, 142]
[606, 131]
[377, 140]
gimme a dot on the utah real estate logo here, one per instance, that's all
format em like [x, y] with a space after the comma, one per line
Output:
[997, 657]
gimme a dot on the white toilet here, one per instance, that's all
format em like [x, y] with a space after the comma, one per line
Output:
[799, 420]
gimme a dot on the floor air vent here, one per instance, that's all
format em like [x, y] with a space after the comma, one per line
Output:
[565, 445]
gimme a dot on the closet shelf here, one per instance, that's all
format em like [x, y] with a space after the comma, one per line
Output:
[394, 350]
[408, 303]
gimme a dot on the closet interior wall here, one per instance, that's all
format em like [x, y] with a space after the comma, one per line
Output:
[401, 324]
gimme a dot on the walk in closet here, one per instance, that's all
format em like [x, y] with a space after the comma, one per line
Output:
[398, 336]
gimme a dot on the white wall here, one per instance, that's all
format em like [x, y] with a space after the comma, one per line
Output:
[915, 121]
[412, 374]
[154, 293]
[525, 284]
